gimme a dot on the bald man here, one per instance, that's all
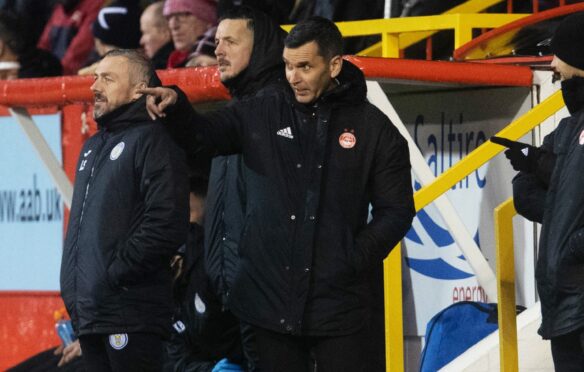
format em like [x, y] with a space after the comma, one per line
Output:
[156, 39]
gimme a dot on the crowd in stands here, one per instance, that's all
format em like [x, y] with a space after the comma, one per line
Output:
[67, 37]
[36, 35]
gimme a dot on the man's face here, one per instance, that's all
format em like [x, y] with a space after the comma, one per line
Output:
[234, 45]
[185, 28]
[112, 86]
[154, 35]
[563, 69]
[308, 73]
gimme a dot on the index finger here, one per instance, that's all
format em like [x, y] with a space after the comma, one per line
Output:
[502, 141]
[152, 91]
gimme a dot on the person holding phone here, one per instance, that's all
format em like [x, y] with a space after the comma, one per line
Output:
[549, 190]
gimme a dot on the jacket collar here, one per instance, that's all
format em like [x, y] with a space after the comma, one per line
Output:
[124, 116]
[350, 89]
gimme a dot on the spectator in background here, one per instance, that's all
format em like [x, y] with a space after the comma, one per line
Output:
[19, 59]
[33, 13]
[117, 27]
[203, 54]
[205, 338]
[155, 39]
[67, 35]
[188, 20]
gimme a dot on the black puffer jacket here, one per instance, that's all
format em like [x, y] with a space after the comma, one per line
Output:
[129, 215]
[560, 264]
[225, 204]
[306, 243]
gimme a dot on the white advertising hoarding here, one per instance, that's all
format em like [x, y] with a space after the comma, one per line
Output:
[446, 125]
[31, 209]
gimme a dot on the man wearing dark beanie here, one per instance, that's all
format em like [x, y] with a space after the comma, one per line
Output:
[117, 27]
[548, 190]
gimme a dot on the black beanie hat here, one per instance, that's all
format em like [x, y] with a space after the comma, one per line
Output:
[118, 25]
[568, 41]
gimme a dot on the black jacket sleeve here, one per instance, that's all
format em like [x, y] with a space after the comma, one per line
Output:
[392, 199]
[530, 189]
[529, 195]
[163, 225]
[217, 133]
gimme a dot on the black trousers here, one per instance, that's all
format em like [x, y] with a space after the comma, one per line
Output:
[287, 353]
[124, 352]
[568, 352]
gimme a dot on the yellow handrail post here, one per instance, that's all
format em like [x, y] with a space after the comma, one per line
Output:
[389, 45]
[506, 286]
[394, 328]
[462, 31]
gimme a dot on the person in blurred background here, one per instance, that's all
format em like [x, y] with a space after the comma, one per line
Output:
[188, 20]
[19, 59]
[68, 35]
[116, 27]
[34, 15]
[155, 39]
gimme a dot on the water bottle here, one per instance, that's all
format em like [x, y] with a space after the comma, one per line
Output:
[64, 329]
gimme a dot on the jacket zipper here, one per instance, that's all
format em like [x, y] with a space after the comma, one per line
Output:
[96, 159]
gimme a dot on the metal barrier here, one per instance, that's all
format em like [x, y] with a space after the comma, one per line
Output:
[506, 286]
[399, 33]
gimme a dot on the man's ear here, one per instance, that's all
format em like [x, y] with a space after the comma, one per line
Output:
[140, 85]
[2, 47]
[335, 65]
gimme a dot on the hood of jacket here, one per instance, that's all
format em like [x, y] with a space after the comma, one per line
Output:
[265, 61]
[351, 86]
[125, 116]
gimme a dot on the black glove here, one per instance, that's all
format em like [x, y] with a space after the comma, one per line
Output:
[523, 157]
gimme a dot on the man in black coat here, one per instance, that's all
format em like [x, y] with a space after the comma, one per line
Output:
[316, 155]
[548, 190]
[129, 215]
[249, 53]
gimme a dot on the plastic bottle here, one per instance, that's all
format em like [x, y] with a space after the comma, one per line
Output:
[64, 328]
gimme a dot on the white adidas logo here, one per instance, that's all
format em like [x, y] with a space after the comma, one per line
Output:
[286, 132]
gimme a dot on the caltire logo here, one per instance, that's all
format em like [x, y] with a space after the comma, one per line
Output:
[442, 267]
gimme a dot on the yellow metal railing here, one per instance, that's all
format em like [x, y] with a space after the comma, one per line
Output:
[488, 150]
[506, 286]
[427, 194]
[394, 326]
[398, 33]
[406, 40]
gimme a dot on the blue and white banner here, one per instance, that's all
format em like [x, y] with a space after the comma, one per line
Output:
[31, 209]
[446, 126]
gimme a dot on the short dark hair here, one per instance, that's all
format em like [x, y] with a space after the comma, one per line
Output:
[12, 33]
[240, 12]
[142, 66]
[324, 32]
